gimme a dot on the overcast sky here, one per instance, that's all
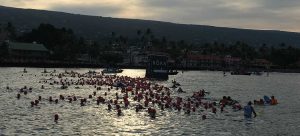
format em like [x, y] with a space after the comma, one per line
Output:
[255, 14]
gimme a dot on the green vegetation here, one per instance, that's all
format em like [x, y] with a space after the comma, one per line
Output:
[112, 49]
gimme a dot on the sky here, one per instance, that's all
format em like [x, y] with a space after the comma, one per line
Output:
[252, 14]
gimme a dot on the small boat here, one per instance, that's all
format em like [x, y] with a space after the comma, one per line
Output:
[24, 70]
[160, 71]
[240, 73]
[112, 70]
[169, 72]
[92, 72]
[172, 72]
[257, 73]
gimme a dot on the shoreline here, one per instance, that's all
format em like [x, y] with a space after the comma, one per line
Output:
[99, 65]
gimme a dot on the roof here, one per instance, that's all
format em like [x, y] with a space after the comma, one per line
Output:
[261, 61]
[205, 57]
[27, 46]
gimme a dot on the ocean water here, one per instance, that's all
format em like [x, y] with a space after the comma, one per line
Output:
[19, 118]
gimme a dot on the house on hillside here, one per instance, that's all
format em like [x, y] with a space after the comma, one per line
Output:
[27, 51]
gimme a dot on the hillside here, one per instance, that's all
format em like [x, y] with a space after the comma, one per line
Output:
[94, 27]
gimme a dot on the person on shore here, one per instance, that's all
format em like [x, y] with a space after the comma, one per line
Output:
[248, 110]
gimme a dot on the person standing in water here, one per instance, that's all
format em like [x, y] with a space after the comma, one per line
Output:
[248, 110]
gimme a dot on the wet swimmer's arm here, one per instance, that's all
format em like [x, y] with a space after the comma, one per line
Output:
[253, 112]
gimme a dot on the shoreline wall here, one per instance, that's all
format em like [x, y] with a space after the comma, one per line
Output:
[96, 65]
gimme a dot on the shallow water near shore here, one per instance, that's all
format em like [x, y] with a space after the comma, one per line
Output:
[19, 118]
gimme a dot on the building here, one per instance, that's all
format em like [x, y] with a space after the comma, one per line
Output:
[157, 67]
[203, 61]
[27, 51]
[136, 56]
[231, 62]
[261, 63]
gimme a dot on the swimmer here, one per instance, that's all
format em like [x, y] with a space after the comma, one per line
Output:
[56, 118]
[273, 100]
[18, 96]
[248, 110]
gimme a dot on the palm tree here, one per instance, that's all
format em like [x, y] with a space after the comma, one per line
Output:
[139, 32]
[148, 31]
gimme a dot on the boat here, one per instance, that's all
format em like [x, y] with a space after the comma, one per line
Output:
[92, 72]
[240, 73]
[257, 73]
[172, 72]
[112, 70]
[169, 72]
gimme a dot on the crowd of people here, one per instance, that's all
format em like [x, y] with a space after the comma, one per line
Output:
[140, 93]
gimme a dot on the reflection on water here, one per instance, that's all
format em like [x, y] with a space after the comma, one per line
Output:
[17, 116]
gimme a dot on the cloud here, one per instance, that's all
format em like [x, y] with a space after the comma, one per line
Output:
[87, 9]
[254, 14]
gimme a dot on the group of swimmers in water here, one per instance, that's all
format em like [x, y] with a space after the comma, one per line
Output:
[266, 101]
[145, 95]
[248, 109]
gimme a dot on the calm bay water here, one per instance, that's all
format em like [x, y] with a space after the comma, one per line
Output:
[19, 118]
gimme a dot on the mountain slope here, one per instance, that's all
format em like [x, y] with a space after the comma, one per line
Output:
[93, 27]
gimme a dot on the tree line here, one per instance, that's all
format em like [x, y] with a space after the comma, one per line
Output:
[65, 45]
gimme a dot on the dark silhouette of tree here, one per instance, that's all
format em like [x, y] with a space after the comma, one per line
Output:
[148, 31]
[11, 31]
[62, 42]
